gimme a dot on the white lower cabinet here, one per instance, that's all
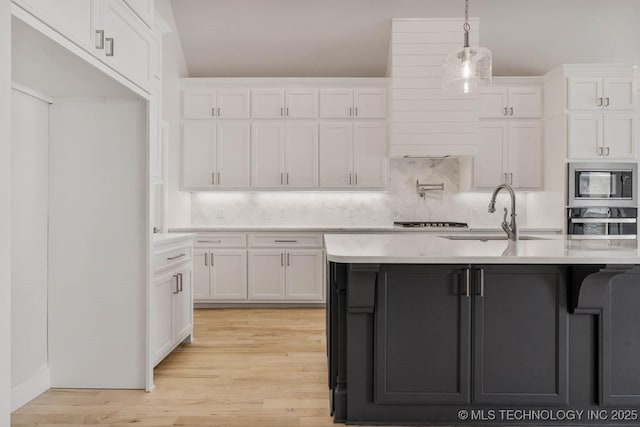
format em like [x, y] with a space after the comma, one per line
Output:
[267, 274]
[220, 274]
[171, 298]
[285, 274]
[276, 268]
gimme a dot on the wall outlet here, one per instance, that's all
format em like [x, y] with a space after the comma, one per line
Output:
[220, 213]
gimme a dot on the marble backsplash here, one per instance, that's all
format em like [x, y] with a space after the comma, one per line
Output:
[399, 202]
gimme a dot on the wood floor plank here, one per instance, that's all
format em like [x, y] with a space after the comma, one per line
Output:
[246, 368]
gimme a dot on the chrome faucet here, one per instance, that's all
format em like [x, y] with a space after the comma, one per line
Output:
[510, 228]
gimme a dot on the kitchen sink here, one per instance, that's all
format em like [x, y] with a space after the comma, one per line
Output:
[484, 238]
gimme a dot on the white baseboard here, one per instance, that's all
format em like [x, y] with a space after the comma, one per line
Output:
[31, 388]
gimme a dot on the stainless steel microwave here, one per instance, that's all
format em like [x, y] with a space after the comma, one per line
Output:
[603, 185]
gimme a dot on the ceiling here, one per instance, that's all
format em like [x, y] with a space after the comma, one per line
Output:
[350, 38]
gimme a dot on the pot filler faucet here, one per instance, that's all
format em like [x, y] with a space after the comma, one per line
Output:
[510, 228]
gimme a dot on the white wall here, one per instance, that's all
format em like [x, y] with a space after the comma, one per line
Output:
[5, 211]
[97, 243]
[30, 134]
[174, 67]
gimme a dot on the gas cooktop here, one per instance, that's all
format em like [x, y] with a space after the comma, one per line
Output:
[429, 224]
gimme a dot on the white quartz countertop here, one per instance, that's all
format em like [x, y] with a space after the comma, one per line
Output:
[347, 228]
[162, 238]
[431, 249]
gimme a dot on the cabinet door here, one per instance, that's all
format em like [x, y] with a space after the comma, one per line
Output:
[162, 315]
[336, 154]
[201, 279]
[493, 103]
[233, 154]
[130, 51]
[618, 93]
[620, 136]
[74, 19]
[520, 335]
[524, 153]
[370, 103]
[619, 343]
[233, 103]
[585, 135]
[302, 104]
[370, 154]
[336, 103]
[304, 275]
[266, 274]
[198, 104]
[490, 161]
[267, 154]
[229, 274]
[183, 305]
[585, 93]
[422, 335]
[301, 162]
[267, 103]
[144, 9]
[198, 154]
[525, 102]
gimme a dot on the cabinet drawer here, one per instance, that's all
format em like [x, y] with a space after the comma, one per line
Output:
[171, 257]
[221, 240]
[285, 240]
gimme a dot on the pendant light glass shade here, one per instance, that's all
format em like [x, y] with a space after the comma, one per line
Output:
[465, 70]
[636, 79]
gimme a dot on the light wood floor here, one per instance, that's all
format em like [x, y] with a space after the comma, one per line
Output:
[247, 367]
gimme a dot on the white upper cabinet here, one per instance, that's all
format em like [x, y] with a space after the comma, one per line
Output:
[593, 135]
[232, 104]
[524, 154]
[267, 154]
[75, 19]
[284, 103]
[128, 45]
[347, 103]
[489, 163]
[598, 93]
[353, 155]
[336, 103]
[198, 154]
[109, 30]
[510, 151]
[144, 9]
[370, 103]
[233, 154]
[215, 154]
[370, 154]
[301, 154]
[198, 104]
[284, 155]
[267, 103]
[215, 104]
[301, 103]
[511, 102]
[336, 154]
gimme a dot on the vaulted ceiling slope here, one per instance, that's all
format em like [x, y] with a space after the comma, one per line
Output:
[350, 38]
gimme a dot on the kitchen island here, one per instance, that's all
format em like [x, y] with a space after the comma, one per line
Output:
[432, 330]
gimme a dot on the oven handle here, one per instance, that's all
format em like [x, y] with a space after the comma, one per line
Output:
[604, 220]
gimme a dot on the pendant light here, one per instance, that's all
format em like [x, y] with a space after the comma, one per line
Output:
[636, 79]
[466, 69]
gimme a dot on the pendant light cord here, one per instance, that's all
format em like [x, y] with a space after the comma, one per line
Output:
[466, 25]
